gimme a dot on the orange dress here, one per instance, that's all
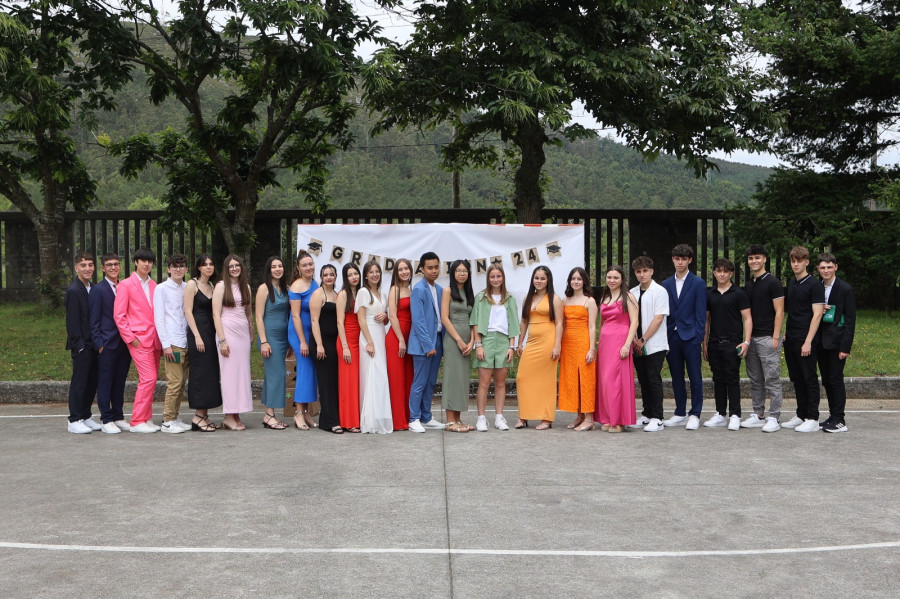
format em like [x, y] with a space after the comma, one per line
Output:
[536, 379]
[577, 379]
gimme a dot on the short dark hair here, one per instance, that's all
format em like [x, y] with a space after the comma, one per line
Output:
[757, 249]
[144, 254]
[683, 250]
[428, 256]
[723, 264]
[642, 262]
[826, 257]
[105, 257]
[82, 255]
[176, 260]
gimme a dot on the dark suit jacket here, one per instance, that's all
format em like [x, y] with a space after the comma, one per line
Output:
[688, 312]
[78, 324]
[834, 336]
[104, 331]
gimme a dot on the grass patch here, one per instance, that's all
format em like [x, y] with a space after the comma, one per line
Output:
[33, 341]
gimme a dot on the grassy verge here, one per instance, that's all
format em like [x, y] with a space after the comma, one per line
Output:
[33, 338]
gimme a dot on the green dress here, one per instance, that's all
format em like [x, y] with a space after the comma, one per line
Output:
[457, 367]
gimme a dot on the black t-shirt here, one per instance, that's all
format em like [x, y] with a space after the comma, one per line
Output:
[798, 304]
[762, 291]
[725, 322]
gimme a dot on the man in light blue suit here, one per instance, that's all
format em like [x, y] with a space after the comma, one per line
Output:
[425, 344]
[687, 328]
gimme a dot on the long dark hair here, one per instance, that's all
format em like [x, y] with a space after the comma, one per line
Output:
[526, 307]
[586, 283]
[327, 267]
[365, 278]
[623, 292]
[243, 285]
[195, 274]
[281, 283]
[295, 274]
[349, 289]
[467, 286]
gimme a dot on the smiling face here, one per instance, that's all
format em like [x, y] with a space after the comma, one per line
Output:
[353, 277]
[613, 280]
[85, 270]
[404, 272]
[111, 269]
[539, 280]
[276, 270]
[576, 282]
[307, 267]
[723, 277]
[495, 280]
[329, 276]
[373, 277]
[234, 269]
[827, 271]
[757, 264]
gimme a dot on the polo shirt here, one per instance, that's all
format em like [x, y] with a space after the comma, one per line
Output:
[725, 322]
[762, 291]
[798, 305]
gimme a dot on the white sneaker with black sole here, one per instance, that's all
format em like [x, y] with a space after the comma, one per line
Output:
[835, 426]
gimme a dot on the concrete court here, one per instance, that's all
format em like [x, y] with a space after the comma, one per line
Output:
[708, 513]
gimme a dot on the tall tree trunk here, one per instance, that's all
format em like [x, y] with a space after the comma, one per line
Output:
[528, 197]
[457, 202]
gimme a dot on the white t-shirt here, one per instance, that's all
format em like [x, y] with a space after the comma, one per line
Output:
[498, 322]
[654, 303]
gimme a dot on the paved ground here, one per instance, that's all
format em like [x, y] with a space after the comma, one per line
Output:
[710, 513]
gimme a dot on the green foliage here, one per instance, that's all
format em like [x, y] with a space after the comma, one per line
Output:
[828, 212]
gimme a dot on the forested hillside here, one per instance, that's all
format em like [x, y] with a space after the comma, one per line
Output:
[402, 169]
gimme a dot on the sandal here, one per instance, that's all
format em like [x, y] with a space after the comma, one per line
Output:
[457, 427]
[277, 425]
[302, 427]
[576, 424]
[585, 427]
[309, 420]
[236, 427]
[354, 429]
[337, 430]
[522, 423]
[204, 424]
[544, 425]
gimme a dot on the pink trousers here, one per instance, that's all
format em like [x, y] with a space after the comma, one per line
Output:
[146, 361]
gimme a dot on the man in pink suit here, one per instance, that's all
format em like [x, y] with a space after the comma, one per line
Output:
[133, 313]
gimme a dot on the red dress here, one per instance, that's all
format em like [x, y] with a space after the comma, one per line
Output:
[348, 374]
[400, 370]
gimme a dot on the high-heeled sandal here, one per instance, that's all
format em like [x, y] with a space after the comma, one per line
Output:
[276, 426]
[302, 427]
[204, 425]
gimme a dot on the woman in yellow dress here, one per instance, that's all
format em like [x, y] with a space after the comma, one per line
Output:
[542, 323]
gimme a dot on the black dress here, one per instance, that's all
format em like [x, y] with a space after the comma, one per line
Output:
[327, 369]
[204, 391]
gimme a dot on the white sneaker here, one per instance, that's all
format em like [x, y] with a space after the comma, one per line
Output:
[123, 426]
[181, 423]
[734, 422]
[500, 422]
[655, 425]
[79, 427]
[109, 427]
[676, 421]
[171, 427]
[154, 425]
[144, 427]
[716, 420]
[808, 426]
[753, 421]
[92, 424]
[642, 421]
[416, 427]
[794, 422]
[771, 425]
[434, 424]
[481, 424]
[693, 423]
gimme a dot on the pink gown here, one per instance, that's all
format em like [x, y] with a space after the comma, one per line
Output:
[615, 376]
[234, 371]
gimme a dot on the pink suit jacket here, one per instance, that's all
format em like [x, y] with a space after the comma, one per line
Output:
[134, 314]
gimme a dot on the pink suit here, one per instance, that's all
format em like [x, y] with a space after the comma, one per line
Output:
[133, 314]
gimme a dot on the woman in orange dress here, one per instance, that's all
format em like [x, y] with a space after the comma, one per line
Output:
[348, 349]
[399, 363]
[577, 376]
[542, 322]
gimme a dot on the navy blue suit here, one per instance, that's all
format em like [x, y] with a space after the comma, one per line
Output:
[83, 385]
[686, 327]
[115, 360]
[423, 338]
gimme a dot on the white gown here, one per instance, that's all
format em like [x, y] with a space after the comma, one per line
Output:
[375, 407]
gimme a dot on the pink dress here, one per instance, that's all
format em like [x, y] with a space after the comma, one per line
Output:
[234, 371]
[615, 376]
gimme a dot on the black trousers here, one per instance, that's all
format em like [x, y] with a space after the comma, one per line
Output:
[726, 371]
[832, 369]
[802, 371]
[83, 386]
[648, 370]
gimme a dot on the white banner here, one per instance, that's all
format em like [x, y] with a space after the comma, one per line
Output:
[519, 248]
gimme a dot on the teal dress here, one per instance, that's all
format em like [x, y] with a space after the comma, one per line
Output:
[275, 319]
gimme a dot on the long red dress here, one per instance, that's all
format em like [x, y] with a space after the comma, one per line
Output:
[348, 374]
[400, 370]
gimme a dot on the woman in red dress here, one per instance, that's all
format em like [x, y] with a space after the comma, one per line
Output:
[399, 363]
[348, 349]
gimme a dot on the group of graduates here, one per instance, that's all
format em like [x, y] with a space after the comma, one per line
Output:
[371, 360]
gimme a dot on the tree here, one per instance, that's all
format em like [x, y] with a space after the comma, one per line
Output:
[289, 65]
[662, 74]
[46, 85]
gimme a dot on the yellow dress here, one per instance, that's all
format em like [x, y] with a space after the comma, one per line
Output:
[536, 379]
[577, 379]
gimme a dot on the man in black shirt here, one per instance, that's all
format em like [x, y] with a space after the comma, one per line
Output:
[836, 340]
[728, 328]
[805, 303]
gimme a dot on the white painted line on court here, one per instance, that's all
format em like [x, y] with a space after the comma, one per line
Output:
[438, 551]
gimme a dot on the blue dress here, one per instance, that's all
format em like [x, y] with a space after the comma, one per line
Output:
[275, 319]
[305, 391]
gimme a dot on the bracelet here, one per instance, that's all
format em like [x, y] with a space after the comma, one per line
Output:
[512, 347]
[221, 342]
[264, 343]
[479, 344]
